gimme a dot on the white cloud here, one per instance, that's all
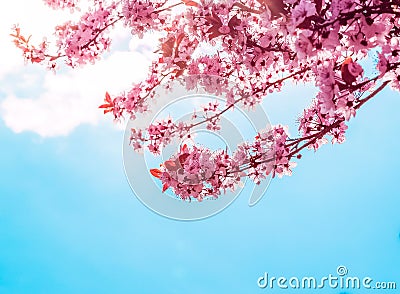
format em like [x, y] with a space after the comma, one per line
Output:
[147, 44]
[69, 98]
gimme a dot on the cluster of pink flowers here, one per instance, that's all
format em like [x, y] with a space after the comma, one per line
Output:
[141, 16]
[85, 41]
[282, 152]
[61, 4]
[333, 105]
[198, 172]
[206, 65]
[258, 46]
[389, 59]
[157, 135]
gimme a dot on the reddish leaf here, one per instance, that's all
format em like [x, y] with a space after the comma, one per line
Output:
[156, 173]
[214, 20]
[181, 64]
[276, 7]
[346, 75]
[191, 3]
[233, 22]
[213, 33]
[109, 105]
[179, 39]
[167, 47]
[108, 98]
[171, 165]
[183, 157]
[184, 148]
[165, 187]
[216, 24]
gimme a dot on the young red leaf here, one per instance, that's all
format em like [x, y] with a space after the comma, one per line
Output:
[214, 20]
[106, 106]
[233, 22]
[109, 105]
[191, 3]
[108, 98]
[156, 173]
[165, 187]
[179, 39]
[167, 47]
[213, 32]
[171, 165]
[277, 7]
[346, 75]
[183, 157]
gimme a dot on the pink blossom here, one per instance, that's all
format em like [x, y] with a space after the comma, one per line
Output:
[303, 46]
[56, 4]
[382, 64]
[355, 69]
[304, 9]
[224, 30]
[346, 105]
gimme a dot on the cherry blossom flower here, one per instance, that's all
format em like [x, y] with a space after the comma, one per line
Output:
[303, 46]
[56, 4]
[304, 9]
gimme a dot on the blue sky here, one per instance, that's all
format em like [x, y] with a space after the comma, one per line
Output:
[69, 222]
